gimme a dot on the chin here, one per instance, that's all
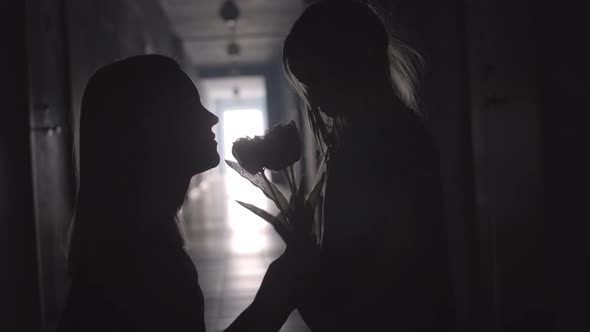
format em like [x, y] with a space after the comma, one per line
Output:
[211, 162]
[215, 158]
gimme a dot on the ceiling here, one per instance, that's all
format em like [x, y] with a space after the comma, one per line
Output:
[260, 30]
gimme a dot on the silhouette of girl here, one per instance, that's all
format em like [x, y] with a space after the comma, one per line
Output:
[382, 265]
[143, 134]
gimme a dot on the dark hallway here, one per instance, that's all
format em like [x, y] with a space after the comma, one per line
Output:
[501, 91]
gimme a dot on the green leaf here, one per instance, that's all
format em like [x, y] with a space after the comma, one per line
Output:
[296, 201]
[258, 211]
[301, 188]
[316, 193]
[278, 222]
[292, 202]
[269, 189]
[282, 203]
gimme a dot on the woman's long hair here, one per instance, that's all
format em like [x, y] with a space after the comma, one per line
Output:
[348, 32]
[117, 166]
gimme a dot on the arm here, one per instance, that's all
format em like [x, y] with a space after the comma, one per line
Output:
[274, 301]
[287, 280]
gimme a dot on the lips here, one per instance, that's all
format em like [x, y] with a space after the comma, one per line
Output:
[213, 141]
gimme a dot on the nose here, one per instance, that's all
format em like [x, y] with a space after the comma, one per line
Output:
[215, 119]
[211, 118]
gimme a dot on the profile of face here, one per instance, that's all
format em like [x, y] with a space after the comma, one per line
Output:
[192, 142]
[142, 118]
[183, 138]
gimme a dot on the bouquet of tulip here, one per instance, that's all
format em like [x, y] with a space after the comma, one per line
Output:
[278, 150]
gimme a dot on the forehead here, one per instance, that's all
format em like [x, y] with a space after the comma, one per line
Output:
[184, 88]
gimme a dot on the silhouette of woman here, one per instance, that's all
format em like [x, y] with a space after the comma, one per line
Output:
[382, 265]
[143, 134]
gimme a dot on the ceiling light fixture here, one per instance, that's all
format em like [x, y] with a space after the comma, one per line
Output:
[229, 12]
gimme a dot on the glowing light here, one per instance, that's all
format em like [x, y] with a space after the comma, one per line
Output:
[249, 243]
[249, 232]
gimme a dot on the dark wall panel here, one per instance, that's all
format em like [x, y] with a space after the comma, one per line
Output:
[50, 149]
[19, 288]
[502, 53]
[563, 94]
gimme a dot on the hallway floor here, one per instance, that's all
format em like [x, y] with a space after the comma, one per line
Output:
[230, 246]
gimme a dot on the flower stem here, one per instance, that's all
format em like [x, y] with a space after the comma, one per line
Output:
[275, 195]
[291, 184]
[294, 180]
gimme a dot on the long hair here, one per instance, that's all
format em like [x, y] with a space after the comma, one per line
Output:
[355, 30]
[115, 156]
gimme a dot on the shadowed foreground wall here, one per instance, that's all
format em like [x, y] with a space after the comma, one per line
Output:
[19, 292]
[563, 94]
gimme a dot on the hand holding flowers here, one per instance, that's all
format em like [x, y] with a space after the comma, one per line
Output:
[278, 150]
[287, 281]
